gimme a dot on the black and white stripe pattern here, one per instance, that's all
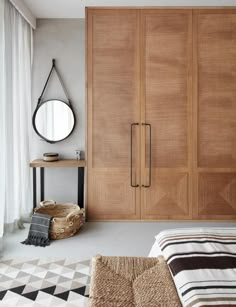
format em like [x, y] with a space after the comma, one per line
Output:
[202, 262]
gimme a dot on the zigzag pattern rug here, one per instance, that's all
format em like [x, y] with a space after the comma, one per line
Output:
[44, 282]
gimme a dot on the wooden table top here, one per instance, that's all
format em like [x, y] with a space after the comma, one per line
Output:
[59, 163]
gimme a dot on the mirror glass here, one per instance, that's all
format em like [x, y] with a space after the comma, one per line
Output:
[53, 120]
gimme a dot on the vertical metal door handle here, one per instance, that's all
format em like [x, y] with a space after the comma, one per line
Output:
[150, 156]
[131, 156]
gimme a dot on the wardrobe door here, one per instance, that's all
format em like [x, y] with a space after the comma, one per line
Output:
[215, 114]
[166, 97]
[113, 105]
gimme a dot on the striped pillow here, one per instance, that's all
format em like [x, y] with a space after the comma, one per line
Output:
[202, 262]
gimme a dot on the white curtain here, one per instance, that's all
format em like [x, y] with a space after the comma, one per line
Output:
[15, 117]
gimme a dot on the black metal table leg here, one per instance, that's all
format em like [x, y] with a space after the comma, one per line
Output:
[34, 188]
[81, 187]
[41, 183]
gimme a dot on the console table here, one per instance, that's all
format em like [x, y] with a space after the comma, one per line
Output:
[39, 163]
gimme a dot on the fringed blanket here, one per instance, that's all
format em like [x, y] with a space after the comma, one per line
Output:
[202, 263]
[39, 230]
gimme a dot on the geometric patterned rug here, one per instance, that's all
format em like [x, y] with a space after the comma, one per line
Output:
[44, 282]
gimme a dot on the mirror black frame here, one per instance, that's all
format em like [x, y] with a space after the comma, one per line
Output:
[34, 116]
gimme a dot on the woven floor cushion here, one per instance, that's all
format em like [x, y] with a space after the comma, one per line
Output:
[131, 281]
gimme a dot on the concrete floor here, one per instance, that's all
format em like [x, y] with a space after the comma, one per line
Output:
[105, 238]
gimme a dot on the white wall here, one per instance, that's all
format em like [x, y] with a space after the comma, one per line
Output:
[64, 40]
[76, 8]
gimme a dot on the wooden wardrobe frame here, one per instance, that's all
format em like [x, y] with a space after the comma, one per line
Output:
[192, 111]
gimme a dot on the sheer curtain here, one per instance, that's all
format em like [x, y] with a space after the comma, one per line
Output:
[15, 117]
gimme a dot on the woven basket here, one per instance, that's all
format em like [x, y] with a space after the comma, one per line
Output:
[67, 218]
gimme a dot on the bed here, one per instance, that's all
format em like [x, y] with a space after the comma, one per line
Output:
[202, 262]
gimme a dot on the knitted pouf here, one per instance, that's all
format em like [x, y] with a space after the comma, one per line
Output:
[131, 281]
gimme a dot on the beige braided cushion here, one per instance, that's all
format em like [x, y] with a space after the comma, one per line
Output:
[131, 281]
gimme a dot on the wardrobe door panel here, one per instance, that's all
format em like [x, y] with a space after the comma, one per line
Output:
[113, 104]
[111, 189]
[217, 195]
[166, 93]
[168, 194]
[215, 115]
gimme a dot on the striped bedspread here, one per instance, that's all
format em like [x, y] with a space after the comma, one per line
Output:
[202, 262]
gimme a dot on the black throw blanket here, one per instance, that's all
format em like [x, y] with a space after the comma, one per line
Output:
[39, 230]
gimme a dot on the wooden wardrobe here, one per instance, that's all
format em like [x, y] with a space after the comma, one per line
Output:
[161, 114]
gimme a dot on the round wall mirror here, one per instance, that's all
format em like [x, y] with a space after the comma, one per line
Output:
[53, 120]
